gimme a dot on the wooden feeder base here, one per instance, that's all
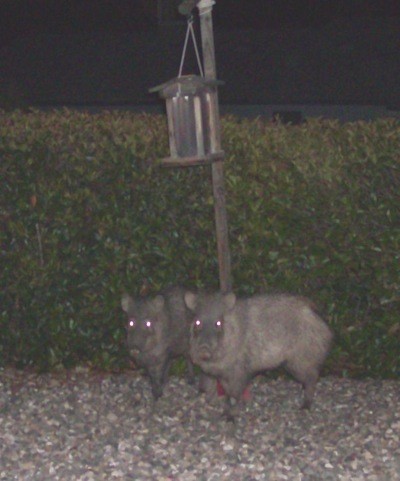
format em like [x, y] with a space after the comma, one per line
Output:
[191, 161]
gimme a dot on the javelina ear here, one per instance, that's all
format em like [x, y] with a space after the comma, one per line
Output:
[229, 300]
[190, 300]
[158, 302]
[127, 303]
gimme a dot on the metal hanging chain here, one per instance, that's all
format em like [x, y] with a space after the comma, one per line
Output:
[190, 30]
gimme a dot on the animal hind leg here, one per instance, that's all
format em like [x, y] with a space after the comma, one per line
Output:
[309, 391]
[308, 378]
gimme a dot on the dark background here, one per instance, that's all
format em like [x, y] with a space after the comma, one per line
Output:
[293, 52]
[23, 17]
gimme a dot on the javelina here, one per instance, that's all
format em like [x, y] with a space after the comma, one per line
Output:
[157, 332]
[234, 339]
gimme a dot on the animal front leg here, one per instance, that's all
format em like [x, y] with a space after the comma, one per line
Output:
[157, 375]
[234, 390]
[190, 370]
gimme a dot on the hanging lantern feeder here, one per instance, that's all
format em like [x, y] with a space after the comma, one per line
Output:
[192, 114]
[191, 110]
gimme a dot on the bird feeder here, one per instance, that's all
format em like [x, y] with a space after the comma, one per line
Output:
[191, 103]
[194, 124]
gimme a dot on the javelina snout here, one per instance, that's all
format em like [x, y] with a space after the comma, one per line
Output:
[203, 347]
[206, 334]
[204, 355]
[141, 334]
[133, 351]
[201, 352]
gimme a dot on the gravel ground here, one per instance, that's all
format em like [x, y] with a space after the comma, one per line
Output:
[88, 426]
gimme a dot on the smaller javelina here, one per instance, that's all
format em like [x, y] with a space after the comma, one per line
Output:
[157, 332]
[235, 339]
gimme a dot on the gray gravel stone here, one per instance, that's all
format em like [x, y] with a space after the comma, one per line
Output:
[87, 426]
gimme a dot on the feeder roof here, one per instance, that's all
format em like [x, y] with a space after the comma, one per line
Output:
[185, 85]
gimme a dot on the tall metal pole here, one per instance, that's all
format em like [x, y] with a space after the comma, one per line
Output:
[221, 221]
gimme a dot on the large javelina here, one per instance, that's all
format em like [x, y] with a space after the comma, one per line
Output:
[157, 332]
[234, 339]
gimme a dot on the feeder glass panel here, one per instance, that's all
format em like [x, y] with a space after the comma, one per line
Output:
[184, 127]
[192, 109]
[188, 119]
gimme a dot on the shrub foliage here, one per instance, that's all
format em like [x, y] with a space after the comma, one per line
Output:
[87, 212]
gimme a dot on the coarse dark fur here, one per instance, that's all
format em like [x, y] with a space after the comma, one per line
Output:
[158, 332]
[234, 339]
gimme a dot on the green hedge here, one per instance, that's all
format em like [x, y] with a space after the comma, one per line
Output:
[87, 212]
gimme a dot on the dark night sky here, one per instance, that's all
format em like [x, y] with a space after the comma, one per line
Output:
[268, 51]
[24, 17]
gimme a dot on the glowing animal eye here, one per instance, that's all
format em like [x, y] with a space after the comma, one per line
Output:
[218, 324]
[132, 323]
[148, 324]
[197, 323]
